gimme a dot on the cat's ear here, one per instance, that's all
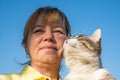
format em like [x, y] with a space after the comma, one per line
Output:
[96, 36]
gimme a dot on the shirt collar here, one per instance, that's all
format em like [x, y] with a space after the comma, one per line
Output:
[29, 73]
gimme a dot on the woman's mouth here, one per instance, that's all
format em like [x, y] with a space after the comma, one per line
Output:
[49, 47]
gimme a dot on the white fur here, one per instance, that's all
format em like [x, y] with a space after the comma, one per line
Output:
[100, 74]
[76, 59]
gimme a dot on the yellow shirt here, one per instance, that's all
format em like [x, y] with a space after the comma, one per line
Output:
[28, 73]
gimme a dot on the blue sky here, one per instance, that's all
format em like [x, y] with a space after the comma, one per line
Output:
[85, 16]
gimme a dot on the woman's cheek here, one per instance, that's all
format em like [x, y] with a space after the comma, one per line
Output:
[32, 45]
[60, 41]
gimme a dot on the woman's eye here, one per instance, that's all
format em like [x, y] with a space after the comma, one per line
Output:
[59, 31]
[38, 30]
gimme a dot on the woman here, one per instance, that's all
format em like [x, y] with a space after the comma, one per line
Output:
[44, 35]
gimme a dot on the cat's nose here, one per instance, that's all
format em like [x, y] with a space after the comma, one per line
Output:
[67, 37]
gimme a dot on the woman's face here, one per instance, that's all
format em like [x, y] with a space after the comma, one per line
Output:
[45, 43]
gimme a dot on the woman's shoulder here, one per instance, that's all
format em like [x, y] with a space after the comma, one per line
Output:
[27, 73]
[10, 77]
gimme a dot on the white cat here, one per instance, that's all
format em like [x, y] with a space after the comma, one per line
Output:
[82, 57]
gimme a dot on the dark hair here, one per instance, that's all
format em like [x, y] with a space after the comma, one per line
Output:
[47, 14]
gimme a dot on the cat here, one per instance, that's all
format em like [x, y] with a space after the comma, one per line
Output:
[82, 57]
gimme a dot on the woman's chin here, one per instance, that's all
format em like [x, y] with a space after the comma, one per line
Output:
[51, 58]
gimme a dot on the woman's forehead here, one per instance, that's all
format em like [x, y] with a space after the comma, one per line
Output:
[43, 21]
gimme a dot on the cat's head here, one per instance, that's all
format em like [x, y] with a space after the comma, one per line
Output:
[83, 45]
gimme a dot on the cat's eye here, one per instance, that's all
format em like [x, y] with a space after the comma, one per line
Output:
[79, 37]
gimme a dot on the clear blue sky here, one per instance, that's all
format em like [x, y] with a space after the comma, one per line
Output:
[84, 15]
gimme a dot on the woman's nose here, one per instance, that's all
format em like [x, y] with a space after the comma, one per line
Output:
[49, 36]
